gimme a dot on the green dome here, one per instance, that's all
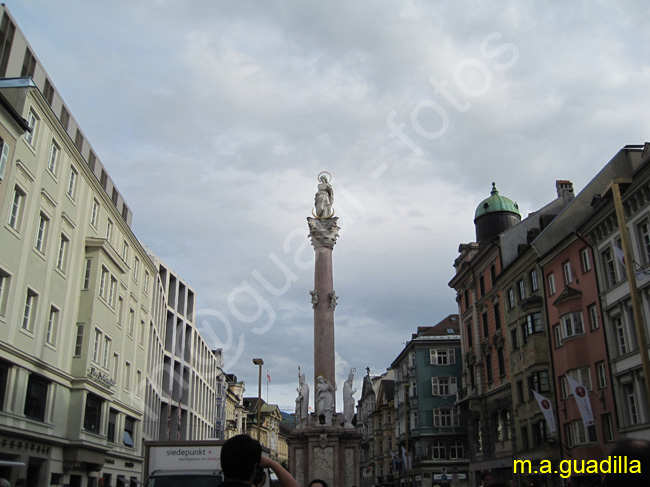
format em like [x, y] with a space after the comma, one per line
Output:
[495, 204]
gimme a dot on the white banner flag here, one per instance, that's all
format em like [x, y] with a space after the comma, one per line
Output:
[545, 406]
[581, 396]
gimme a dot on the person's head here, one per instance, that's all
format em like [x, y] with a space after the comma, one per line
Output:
[634, 450]
[317, 483]
[4, 483]
[240, 457]
[486, 477]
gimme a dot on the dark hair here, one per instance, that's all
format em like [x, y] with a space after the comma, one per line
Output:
[485, 473]
[633, 449]
[239, 457]
[497, 483]
[318, 481]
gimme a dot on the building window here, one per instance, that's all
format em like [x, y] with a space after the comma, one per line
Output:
[79, 140]
[87, 269]
[36, 398]
[469, 334]
[445, 418]
[125, 212]
[466, 295]
[16, 211]
[131, 321]
[568, 277]
[120, 310]
[539, 381]
[94, 215]
[41, 232]
[136, 269]
[608, 267]
[30, 310]
[621, 334]
[522, 290]
[534, 323]
[511, 298]
[146, 282]
[551, 284]
[127, 376]
[443, 386]
[572, 324]
[92, 160]
[111, 292]
[52, 326]
[112, 420]
[631, 404]
[557, 332]
[7, 31]
[581, 376]
[125, 251]
[593, 317]
[102, 282]
[129, 427]
[5, 282]
[608, 427]
[456, 450]
[493, 275]
[497, 316]
[439, 450]
[65, 118]
[534, 285]
[79, 341]
[488, 367]
[524, 437]
[486, 326]
[501, 361]
[109, 230]
[514, 339]
[481, 282]
[520, 391]
[585, 260]
[29, 64]
[53, 158]
[96, 345]
[114, 196]
[643, 234]
[4, 158]
[442, 356]
[32, 121]
[107, 351]
[48, 92]
[602, 375]
[93, 413]
[63, 253]
[579, 434]
[72, 182]
[103, 179]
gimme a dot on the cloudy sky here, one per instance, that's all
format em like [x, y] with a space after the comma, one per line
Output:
[215, 117]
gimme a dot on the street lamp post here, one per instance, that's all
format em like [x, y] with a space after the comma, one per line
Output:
[259, 362]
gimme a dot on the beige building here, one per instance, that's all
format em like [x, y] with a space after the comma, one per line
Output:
[235, 410]
[76, 287]
[98, 345]
[268, 432]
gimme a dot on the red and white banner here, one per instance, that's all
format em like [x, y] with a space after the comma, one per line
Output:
[581, 395]
[547, 409]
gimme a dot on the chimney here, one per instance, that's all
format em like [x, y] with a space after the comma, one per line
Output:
[564, 189]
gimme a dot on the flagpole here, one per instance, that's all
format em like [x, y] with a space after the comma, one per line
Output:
[267, 385]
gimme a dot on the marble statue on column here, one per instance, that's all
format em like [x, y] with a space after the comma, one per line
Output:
[325, 400]
[348, 398]
[302, 402]
[324, 198]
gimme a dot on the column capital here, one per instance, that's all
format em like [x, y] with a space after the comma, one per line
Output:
[323, 231]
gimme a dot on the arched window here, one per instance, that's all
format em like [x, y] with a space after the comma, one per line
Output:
[439, 450]
[457, 450]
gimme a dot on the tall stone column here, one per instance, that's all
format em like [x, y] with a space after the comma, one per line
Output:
[323, 233]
